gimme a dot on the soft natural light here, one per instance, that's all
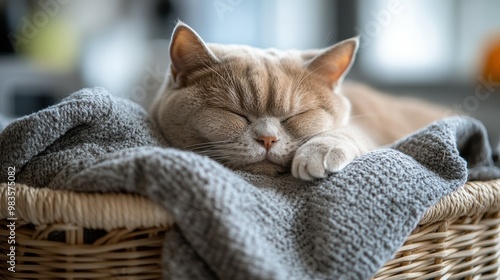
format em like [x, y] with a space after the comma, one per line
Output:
[406, 46]
[407, 43]
[114, 60]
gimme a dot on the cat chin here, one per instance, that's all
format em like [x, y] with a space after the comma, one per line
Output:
[264, 168]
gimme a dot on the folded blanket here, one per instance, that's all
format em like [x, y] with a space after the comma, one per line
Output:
[234, 225]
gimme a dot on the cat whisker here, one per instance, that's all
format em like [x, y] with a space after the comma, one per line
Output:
[229, 160]
[213, 152]
[220, 154]
[214, 71]
[237, 153]
[231, 77]
[325, 42]
[224, 159]
[207, 148]
[217, 149]
[220, 151]
[304, 139]
[225, 142]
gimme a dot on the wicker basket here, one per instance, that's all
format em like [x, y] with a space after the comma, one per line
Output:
[69, 235]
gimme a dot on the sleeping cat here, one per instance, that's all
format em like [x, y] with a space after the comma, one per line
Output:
[272, 112]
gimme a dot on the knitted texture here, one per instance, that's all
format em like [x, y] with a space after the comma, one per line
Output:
[234, 225]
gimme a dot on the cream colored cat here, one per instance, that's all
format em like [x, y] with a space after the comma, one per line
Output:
[271, 112]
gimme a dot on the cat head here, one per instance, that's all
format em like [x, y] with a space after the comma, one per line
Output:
[250, 108]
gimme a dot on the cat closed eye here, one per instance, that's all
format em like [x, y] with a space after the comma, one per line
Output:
[293, 116]
[240, 115]
[287, 119]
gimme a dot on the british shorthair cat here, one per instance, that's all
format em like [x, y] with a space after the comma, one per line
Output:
[271, 112]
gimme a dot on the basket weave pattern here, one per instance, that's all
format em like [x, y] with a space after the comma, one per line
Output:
[448, 250]
[119, 254]
[68, 235]
[458, 238]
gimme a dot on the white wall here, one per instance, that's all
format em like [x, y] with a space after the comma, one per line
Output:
[415, 41]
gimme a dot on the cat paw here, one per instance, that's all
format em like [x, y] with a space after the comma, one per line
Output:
[317, 160]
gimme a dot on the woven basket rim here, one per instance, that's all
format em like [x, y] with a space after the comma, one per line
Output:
[108, 211]
[473, 199]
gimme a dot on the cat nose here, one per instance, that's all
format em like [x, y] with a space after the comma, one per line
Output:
[267, 141]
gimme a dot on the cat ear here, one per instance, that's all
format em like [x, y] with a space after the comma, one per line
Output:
[334, 63]
[188, 52]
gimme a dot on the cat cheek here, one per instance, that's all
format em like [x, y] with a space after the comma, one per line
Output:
[220, 130]
[235, 128]
[305, 129]
[309, 124]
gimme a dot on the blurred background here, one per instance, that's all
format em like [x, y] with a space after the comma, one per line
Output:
[444, 51]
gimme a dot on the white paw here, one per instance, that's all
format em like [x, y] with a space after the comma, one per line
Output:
[317, 160]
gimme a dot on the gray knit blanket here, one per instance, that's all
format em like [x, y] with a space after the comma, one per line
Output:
[234, 225]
